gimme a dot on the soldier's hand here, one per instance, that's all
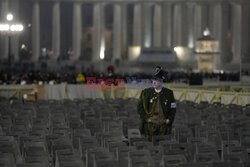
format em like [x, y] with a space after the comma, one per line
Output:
[167, 121]
[149, 120]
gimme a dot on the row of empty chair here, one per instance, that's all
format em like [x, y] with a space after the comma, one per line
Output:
[105, 133]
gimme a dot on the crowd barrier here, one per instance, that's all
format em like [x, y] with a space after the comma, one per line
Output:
[70, 91]
[230, 88]
[14, 90]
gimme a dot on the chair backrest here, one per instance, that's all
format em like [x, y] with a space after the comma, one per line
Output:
[139, 154]
[141, 162]
[196, 164]
[30, 165]
[206, 157]
[174, 160]
[157, 139]
[228, 164]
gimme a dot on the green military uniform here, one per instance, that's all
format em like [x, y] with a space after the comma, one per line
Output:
[158, 107]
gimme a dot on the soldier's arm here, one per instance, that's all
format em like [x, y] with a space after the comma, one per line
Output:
[140, 108]
[172, 111]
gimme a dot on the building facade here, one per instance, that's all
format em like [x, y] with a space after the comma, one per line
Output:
[61, 24]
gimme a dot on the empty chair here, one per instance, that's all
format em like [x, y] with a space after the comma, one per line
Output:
[31, 165]
[113, 139]
[7, 159]
[171, 160]
[62, 160]
[134, 135]
[192, 140]
[113, 146]
[123, 152]
[94, 125]
[141, 162]
[139, 145]
[87, 143]
[88, 156]
[234, 153]
[206, 157]
[140, 158]
[107, 163]
[156, 152]
[196, 164]
[228, 164]
[105, 133]
[177, 149]
[101, 157]
[157, 139]
[205, 148]
[71, 164]
[11, 147]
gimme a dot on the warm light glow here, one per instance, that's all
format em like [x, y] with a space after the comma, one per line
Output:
[191, 41]
[207, 46]
[9, 17]
[102, 49]
[137, 50]
[13, 27]
[206, 32]
[178, 50]
[182, 53]
[23, 46]
[4, 27]
[147, 43]
[102, 55]
[134, 52]
[16, 27]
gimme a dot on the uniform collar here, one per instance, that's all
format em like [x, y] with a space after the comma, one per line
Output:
[158, 90]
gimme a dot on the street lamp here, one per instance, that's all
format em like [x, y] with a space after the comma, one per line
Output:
[10, 28]
[9, 17]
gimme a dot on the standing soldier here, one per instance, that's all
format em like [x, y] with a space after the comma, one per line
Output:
[156, 107]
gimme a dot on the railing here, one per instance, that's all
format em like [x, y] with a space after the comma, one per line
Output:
[194, 94]
[17, 92]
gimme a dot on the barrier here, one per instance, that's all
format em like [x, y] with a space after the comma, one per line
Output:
[194, 95]
[226, 88]
[14, 91]
[212, 96]
[64, 91]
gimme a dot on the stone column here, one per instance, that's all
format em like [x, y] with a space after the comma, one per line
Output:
[4, 39]
[15, 38]
[35, 31]
[56, 27]
[117, 29]
[236, 32]
[167, 24]
[216, 29]
[198, 27]
[137, 25]
[190, 25]
[124, 32]
[77, 29]
[245, 48]
[226, 43]
[147, 25]
[177, 25]
[157, 28]
[99, 32]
